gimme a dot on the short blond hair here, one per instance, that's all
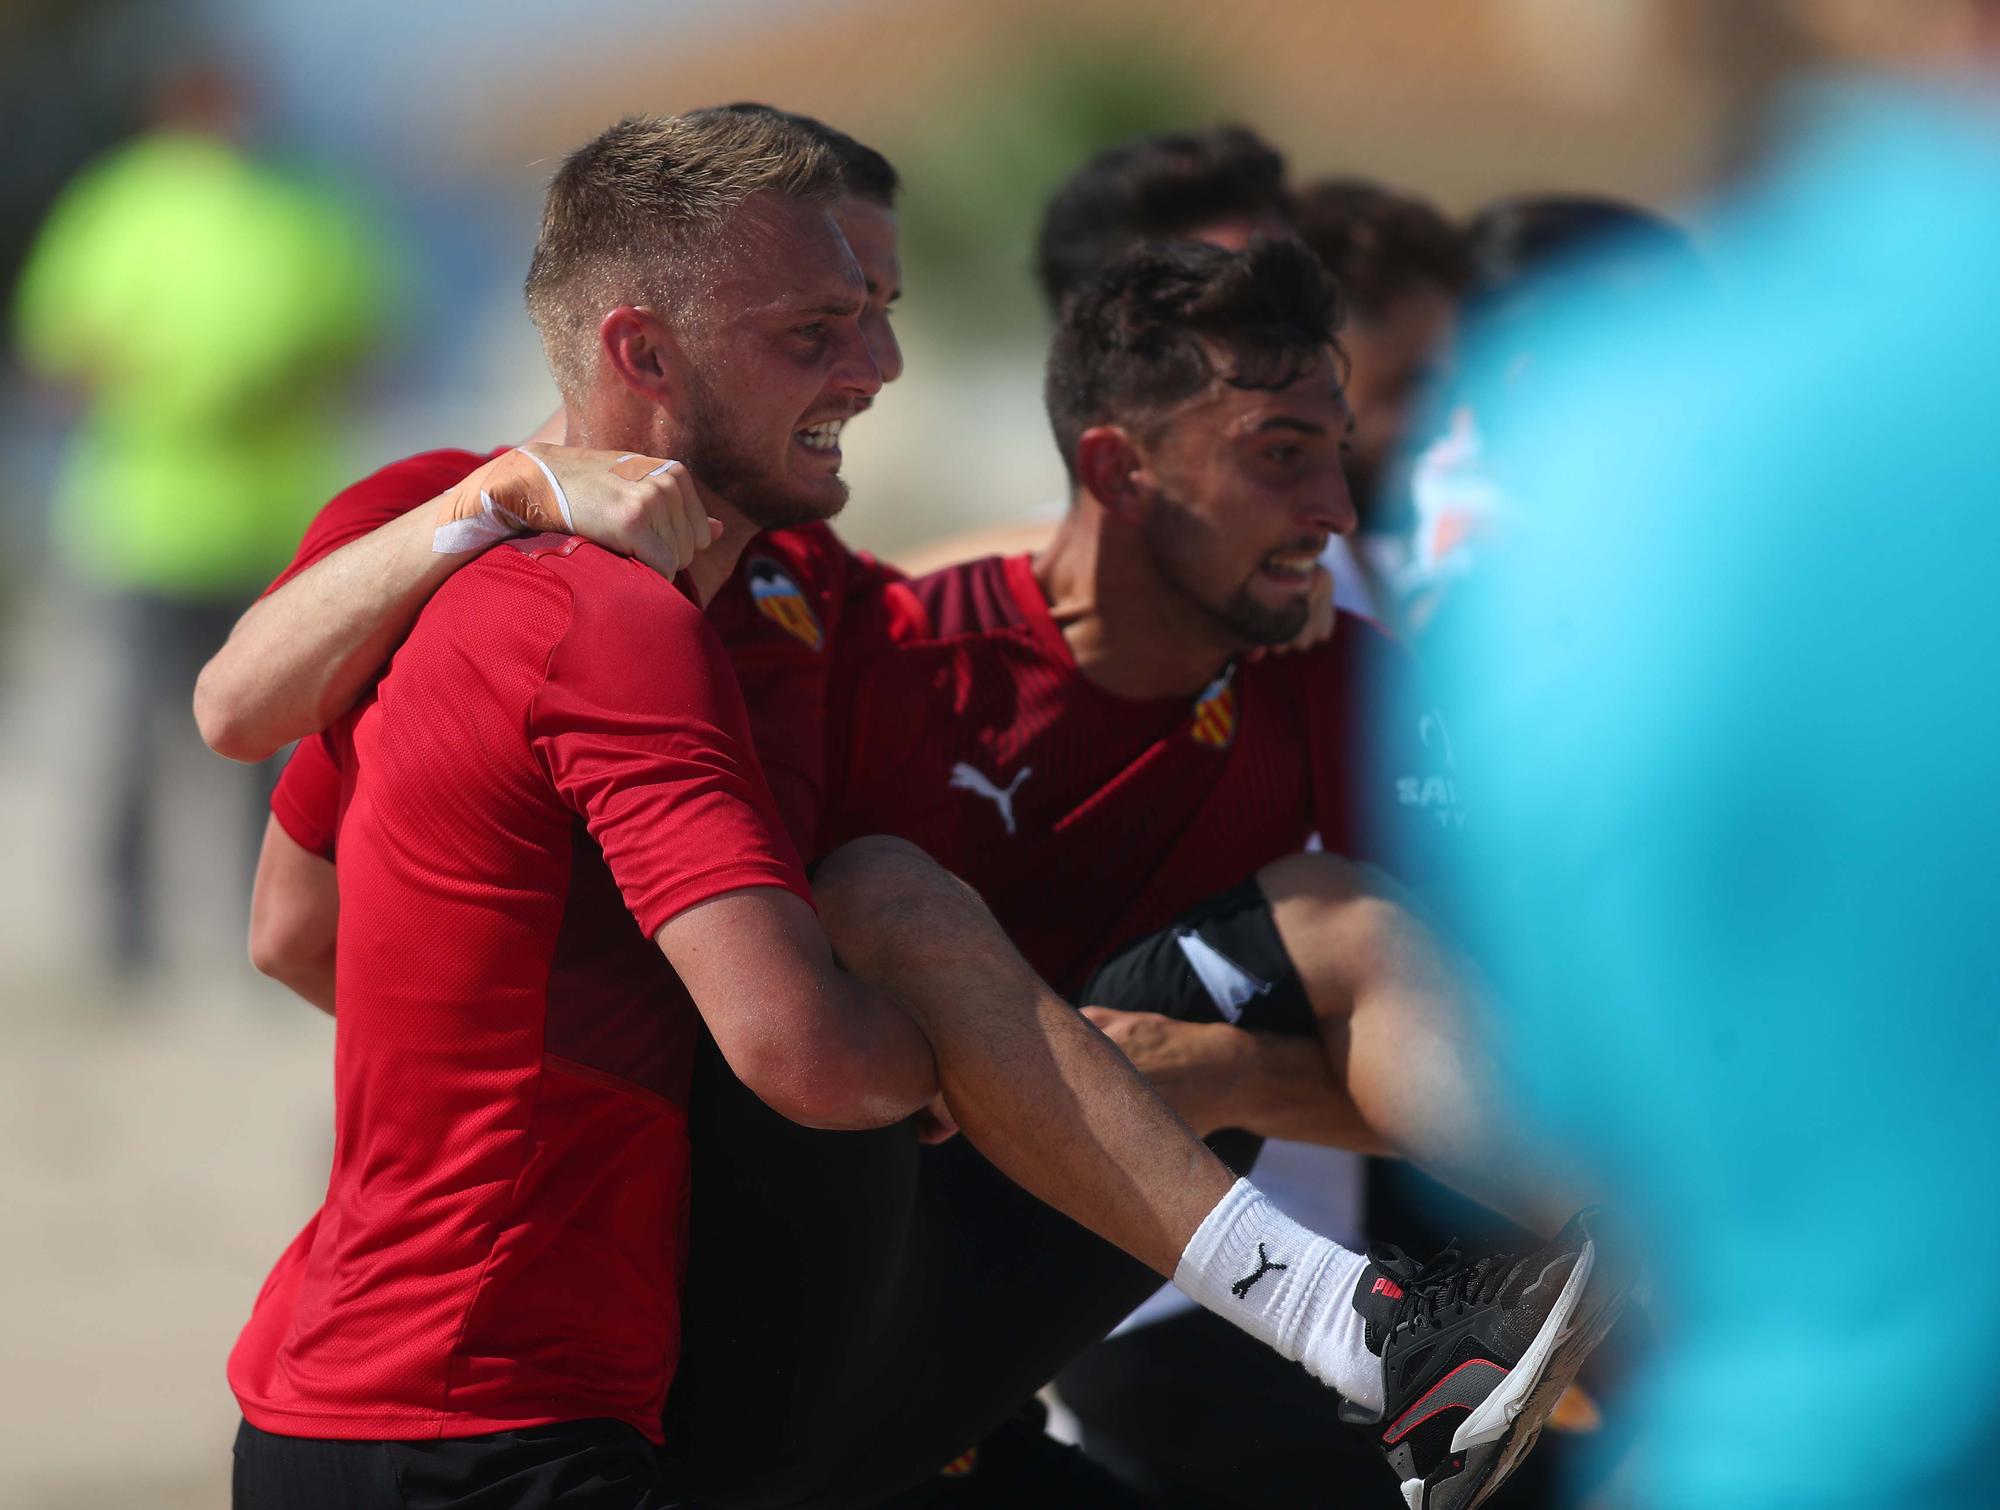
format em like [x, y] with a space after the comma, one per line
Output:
[632, 215]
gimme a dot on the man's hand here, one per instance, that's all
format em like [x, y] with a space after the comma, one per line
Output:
[1195, 1066]
[639, 506]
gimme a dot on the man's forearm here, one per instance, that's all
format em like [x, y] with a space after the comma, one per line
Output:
[1281, 1086]
[299, 658]
[1216, 1075]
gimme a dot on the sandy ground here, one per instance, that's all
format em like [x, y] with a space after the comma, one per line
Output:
[158, 1146]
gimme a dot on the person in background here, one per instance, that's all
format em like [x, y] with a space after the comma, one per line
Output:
[1402, 268]
[1222, 186]
[204, 308]
[1723, 796]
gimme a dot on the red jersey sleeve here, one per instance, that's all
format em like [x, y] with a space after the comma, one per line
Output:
[306, 800]
[639, 723]
[376, 500]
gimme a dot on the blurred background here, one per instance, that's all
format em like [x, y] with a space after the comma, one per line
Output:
[163, 1111]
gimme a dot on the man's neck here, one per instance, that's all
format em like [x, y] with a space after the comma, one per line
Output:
[649, 432]
[713, 566]
[1129, 635]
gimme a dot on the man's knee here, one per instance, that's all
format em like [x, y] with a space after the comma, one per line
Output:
[883, 900]
[1342, 923]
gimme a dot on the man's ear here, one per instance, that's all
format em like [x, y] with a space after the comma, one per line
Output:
[643, 352]
[1112, 470]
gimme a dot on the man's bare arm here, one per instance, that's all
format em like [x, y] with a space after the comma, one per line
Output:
[814, 1044]
[295, 917]
[299, 658]
[1216, 1075]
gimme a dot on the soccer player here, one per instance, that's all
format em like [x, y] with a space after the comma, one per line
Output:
[490, 1290]
[1082, 736]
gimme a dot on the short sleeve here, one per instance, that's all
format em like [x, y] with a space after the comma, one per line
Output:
[641, 727]
[306, 800]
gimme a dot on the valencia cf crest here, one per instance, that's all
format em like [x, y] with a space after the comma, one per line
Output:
[1215, 712]
[778, 599]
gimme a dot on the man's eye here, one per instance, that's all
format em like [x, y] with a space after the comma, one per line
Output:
[814, 331]
[1283, 455]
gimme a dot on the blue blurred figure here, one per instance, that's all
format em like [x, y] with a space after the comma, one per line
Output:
[1729, 697]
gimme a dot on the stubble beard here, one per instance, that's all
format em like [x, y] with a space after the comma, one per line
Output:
[1177, 540]
[723, 462]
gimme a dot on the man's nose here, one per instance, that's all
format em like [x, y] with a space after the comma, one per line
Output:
[859, 371]
[1330, 507]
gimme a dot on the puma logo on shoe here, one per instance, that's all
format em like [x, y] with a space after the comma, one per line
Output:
[1264, 1266]
[1387, 1287]
[965, 778]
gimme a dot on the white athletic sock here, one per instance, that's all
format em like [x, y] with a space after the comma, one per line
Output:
[1286, 1286]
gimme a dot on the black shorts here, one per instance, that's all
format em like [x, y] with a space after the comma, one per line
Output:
[578, 1465]
[861, 1309]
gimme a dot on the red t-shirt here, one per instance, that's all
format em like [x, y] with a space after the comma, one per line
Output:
[503, 1236]
[778, 616]
[1088, 820]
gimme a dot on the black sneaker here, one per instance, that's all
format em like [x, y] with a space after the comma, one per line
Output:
[1476, 1355]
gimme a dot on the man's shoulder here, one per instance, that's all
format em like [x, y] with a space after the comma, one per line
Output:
[600, 585]
[970, 599]
[1358, 645]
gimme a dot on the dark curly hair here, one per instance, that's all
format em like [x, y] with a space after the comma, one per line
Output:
[1147, 334]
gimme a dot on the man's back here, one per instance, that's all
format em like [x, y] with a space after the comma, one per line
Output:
[531, 801]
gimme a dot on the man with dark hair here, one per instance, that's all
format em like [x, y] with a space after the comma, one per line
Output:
[1401, 267]
[1085, 738]
[510, 1138]
[1223, 186]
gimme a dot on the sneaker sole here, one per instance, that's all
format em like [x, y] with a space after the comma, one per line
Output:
[1497, 1436]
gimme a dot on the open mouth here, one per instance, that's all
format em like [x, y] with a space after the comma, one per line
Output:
[1293, 566]
[822, 439]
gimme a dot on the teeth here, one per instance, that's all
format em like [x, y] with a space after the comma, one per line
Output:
[1291, 563]
[822, 437]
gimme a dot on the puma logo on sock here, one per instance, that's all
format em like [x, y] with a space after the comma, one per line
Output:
[1264, 1266]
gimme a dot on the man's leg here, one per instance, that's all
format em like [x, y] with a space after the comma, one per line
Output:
[1061, 1112]
[909, 1299]
[964, 1295]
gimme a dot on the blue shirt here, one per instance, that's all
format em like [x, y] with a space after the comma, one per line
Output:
[1731, 690]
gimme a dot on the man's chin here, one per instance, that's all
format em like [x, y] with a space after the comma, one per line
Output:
[780, 508]
[1260, 626]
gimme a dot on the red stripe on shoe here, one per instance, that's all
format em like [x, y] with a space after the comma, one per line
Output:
[1462, 1395]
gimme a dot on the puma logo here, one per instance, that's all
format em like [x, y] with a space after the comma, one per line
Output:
[1264, 1266]
[965, 778]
